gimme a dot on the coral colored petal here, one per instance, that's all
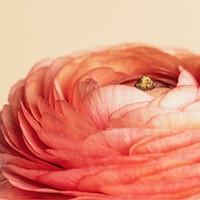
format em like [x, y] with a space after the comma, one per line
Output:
[34, 124]
[186, 120]
[39, 65]
[55, 139]
[64, 76]
[144, 114]
[77, 160]
[130, 174]
[179, 173]
[82, 89]
[69, 179]
[193, 194]
[51, 73]
[89, 154]
[157, 100]
[20, 178]
[30, 136]
[9, 192]
[21, 162]
[101, 76]
[57, 91]
[102, 102]
[119, 139]
[61, 126]
[11, 129]
[13, 90]
[124, 65]
[44, 106]
[2, 178]
[81, 130]
[85, 148]
[66, 179]
[169, 143]
[192, 63]
[125, 123]
[193, 107]
[177, 98]
[157, 92]
[18, 97]
[72, 116]
[33, 90]
[186, 78]
[122, 111]
[58, 179]
[21, 151]
[187, 154]
[149, 188]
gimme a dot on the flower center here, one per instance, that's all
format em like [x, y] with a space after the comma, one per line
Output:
[155, 86]
[145, 83]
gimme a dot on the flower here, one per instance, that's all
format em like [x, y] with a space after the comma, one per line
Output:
[118, 123]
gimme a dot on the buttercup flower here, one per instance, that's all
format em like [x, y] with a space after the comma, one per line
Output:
[119, 123]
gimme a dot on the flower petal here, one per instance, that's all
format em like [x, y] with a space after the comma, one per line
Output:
[177, 98]
[97, 77]
[11, 129]
[60, 126]
[72, 116]
[169, 143]
[9, 192]
[119, 139]
[177, 121]
[51, 73]
[193, 107]
[144, 114]
[122, 111]
[102, 102]
[186, 78]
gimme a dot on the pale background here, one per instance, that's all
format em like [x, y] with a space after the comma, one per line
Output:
[34, 29]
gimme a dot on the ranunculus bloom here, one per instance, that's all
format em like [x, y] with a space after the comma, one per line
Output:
[78, 127]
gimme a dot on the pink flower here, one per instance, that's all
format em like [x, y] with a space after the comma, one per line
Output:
[120, 123]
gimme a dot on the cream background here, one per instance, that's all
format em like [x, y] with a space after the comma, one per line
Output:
[31, 30]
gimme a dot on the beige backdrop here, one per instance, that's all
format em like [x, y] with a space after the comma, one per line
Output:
[34, 29]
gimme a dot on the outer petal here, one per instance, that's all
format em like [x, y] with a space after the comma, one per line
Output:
[8, 192]
[33, 90]
[53, 70]
[119, 139]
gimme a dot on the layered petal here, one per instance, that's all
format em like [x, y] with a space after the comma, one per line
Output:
[101, 103]
[79, 127]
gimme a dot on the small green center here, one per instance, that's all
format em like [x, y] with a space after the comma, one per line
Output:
[145, 83]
